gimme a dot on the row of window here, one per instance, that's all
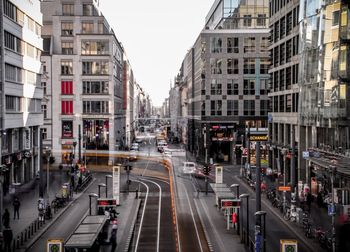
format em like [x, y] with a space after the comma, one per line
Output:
[250, 45]
[87, 47]
[88, 9]
[285, 78]
[249, 87]
[19, 46]
[285, 103]
[283, 53]
[232, 66]
[20, 104]
[284, 26]
[11, 11]
[19, 75]
[89, 107]
[87, 27]
[88, 67]
[233, 108]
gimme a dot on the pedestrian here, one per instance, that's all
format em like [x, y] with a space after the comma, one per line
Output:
[16, 204]
[309, 200]
[6, 218]
[113, 238]
[8, 236]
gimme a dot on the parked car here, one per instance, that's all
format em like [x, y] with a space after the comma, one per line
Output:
[189, 167]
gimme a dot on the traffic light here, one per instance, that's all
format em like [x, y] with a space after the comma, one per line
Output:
[206, 170]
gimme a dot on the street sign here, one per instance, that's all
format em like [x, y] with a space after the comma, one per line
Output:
[116, 183]
[284, 188]
[54, 245]
[289, 245]
[219, 174]
[331, 209]
[230, 203]
[306, 154]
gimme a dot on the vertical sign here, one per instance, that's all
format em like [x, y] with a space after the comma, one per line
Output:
[219, 178]
[26, 137]
[116, 183]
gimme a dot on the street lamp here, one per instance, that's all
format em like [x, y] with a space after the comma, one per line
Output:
[245, 195]
[107, 176]
[237, 189]
[48, 156]
[74, 145]
[263, 214]
[99, 189]
[90, 196]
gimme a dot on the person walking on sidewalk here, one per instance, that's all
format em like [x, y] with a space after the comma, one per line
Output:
[16, 204]
[6, 218]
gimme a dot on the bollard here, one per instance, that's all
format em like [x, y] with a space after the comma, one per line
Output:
[35, 226]
[25, 235]
[32, 228]
[17, 242]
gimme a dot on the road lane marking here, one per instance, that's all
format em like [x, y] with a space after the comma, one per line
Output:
[143, 214]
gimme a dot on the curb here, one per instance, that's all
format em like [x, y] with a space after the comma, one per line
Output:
[286, 223]
[133, 223]
[40, 234]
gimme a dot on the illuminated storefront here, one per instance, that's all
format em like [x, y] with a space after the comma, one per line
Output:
[96, 134]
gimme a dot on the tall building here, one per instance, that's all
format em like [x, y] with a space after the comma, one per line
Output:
[21, 92]
[228, 79]
[82, 79]
[284, 88]
[129, 83]
[324, 95]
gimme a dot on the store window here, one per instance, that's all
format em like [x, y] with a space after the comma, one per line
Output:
[67, 129]
[96, 133]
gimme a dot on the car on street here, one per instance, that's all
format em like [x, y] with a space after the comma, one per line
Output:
[161, 146]
[133, 156]
[188, 167]
[135, 147]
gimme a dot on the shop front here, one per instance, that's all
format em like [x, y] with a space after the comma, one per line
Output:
[221, 139]
[96, 134]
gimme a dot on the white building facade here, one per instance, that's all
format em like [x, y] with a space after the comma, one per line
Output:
[83, 79]
[21, 91]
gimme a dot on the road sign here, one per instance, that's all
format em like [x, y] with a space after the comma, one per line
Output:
[116, 183]
[54, 245]
[289, 245]
[219, 174]
[284, 188]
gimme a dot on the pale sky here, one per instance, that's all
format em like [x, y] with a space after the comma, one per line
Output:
[156, 35]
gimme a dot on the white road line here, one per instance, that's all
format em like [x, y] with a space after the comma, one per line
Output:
[194, 221]
[143, 214]
[159, 209]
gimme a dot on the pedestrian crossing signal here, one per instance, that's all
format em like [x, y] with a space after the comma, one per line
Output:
[54, 245]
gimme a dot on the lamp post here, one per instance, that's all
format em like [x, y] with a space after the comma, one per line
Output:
[99, 189]
[258, 215]
[47, 155]
[90, 196]
[74, 145]
[245, 195]
[107, 176]
[333, 170]
[237, 189]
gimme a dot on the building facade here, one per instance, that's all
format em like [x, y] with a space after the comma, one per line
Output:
[228, 82]
[129, 83]
[324, 106]
[83, 79]
[284, 91]
[21, 23]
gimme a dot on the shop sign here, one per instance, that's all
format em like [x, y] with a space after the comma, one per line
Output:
[284, 188]
[26, 139]
[116, 183]
[258, 137]
[67, 129]
[27, 154]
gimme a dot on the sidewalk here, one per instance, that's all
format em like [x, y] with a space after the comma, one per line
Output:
[28, 196]
[214, 224]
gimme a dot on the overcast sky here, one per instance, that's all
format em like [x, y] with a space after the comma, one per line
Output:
[156, 35]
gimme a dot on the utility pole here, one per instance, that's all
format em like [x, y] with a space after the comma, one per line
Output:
[79, 128]
[258, 198]
[292, 166]
[41, 171]
[248, 154]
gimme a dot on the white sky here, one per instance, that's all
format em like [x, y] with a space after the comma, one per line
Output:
[156, 35]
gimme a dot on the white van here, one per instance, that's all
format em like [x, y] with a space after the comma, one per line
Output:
[161, 146]
[189, 167]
